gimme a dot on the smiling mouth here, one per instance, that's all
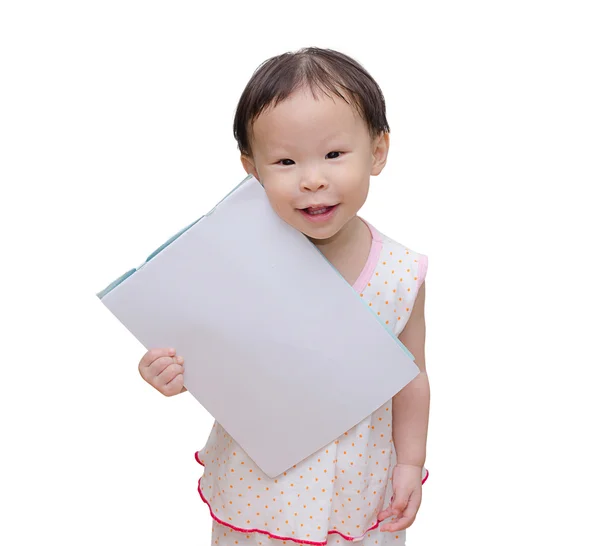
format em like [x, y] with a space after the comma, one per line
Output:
[319, 209]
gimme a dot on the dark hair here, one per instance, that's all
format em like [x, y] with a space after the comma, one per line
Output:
[318, 69]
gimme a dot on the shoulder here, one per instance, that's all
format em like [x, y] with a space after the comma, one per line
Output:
[412, 263]
[401, 273]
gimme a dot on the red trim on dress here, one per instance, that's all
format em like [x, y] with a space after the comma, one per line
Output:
[297, 540]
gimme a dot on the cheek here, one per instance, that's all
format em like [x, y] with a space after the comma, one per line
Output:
[362, 191]
[278, 197]
[357, 171]
[358, 185]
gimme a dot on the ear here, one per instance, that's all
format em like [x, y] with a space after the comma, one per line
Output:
[249, 167]
[381, 146]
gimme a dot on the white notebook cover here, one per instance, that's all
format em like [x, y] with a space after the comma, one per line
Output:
[278, 347]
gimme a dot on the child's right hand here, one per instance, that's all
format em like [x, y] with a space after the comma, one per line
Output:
[163, 370]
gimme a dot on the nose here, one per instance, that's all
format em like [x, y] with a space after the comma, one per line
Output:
[313, 181]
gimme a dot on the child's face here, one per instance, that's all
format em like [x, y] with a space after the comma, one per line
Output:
[295, 157]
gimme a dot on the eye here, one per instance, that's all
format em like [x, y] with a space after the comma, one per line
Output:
[281, 160]
[339, 154]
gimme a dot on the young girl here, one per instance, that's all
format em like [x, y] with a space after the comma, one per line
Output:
[311, 127]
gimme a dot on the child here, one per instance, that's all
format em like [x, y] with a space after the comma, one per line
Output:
[311, 127]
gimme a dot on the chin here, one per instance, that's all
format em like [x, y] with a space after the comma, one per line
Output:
[322, 234]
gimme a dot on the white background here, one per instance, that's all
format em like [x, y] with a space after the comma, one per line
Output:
[116, 132]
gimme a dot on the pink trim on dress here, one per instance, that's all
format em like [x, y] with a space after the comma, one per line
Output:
[423, 263]
[297, 540]
[369, 268]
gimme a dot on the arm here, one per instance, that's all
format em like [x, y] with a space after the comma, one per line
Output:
[410, 418]
[410, 407]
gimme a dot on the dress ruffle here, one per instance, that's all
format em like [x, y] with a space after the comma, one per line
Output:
[245, 508]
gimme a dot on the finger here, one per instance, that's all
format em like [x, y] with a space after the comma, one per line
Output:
[151, 373]
[401, 502]
[392, 527]
[398, 525]
[174, 386]
[162, 363]
[408, 515]
[413, 505]
[168, 374]
[396, 509]
[153, 354]
[385, 514]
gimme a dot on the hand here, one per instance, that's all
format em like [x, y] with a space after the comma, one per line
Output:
[163, 370]
[406, 483]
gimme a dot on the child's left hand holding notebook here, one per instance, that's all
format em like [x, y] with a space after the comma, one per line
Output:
[406, 482]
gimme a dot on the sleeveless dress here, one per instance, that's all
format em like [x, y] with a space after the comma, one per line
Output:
[335, 495]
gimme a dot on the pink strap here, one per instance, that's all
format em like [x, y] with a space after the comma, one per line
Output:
[369, 268]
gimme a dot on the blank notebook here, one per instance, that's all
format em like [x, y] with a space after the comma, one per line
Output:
[278, 347]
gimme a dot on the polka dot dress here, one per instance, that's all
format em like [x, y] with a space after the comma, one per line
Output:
[225, 536]
[332, 497]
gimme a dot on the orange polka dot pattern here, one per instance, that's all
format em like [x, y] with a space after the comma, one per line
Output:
[225, 536]
[336, 493]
